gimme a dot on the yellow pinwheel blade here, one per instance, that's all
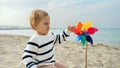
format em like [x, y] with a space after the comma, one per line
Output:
[87, 25]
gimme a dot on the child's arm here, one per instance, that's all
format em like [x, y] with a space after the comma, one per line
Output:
[29, 53]
[59, 38]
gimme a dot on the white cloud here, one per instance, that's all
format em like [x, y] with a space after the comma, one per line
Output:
[62, 12]
[61, 4]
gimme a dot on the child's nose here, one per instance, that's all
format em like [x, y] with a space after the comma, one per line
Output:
[48, 26]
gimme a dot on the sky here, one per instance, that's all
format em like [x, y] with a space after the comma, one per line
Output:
[103, 13]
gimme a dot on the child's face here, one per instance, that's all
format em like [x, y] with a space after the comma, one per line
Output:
[43, 26]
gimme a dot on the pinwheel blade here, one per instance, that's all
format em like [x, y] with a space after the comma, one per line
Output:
[76, 31]
[83, 40]
[92, 30]
[85, 34]
[89, 39]
[79, 26]
[87, 25]
[79, 37]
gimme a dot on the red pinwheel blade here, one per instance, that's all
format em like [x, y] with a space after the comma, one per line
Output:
[92, 30]
[76, 31]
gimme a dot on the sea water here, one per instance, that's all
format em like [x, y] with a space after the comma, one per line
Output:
[109, 37]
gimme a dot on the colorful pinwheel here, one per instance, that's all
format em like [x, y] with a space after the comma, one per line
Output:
[83, 32]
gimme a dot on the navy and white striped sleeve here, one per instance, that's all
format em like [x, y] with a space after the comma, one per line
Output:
[59, 38]
[30, 52]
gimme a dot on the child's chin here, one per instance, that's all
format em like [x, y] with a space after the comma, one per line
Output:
[46, 33]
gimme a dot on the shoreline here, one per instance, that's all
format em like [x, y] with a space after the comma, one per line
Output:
[116, 46]
[102, 36]
[70, 53]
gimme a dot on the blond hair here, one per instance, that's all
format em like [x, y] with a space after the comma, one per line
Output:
[36, 16]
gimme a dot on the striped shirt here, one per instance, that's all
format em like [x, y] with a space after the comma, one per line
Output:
[40, 49]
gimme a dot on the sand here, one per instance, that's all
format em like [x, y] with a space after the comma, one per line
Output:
[70, 53]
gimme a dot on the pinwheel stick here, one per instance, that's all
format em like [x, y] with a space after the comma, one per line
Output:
[86, 55]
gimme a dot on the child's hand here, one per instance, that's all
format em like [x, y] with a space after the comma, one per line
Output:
[71, 28]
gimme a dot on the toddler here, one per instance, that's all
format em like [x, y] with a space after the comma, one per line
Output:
[39, 51]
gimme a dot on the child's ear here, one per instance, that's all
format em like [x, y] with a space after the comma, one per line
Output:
[35, 26]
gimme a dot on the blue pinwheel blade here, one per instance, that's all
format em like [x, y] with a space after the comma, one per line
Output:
[86, 34]
[89, 39]
[79, 37]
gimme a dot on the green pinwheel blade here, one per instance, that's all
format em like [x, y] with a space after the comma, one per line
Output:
[83, 40]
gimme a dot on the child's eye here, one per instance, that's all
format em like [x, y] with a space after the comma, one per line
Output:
[46, 23]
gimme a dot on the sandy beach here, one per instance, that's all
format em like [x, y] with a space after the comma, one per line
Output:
[70, 53]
